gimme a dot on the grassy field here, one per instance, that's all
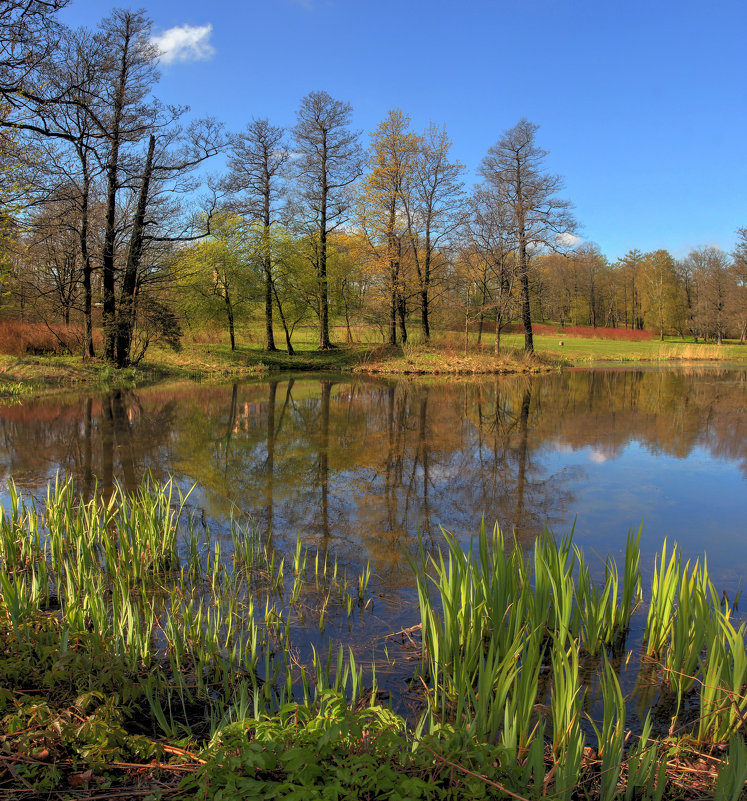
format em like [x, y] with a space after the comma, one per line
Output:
[210, 358]
[584, 350]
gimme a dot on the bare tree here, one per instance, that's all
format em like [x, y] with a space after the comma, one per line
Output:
[146, 160]
[157, 221]
[69, 158]
[123, 118]
[710, 271]
[257, 165]
[329, 161]
[514, 170]
[52, 275]
[433, 208]
[739, 271]
[491, 235]
[28, 31]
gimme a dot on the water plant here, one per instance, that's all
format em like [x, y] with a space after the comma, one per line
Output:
[611, 736]
[123, 618]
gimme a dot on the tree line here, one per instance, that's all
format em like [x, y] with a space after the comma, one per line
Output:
[111, 227]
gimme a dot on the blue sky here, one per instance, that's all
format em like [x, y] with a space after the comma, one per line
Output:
[642, 105]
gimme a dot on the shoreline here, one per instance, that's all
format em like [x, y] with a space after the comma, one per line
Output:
[34, 375]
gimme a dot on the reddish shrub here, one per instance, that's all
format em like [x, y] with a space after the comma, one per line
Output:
[18, 338]
[623, 334]
[585, 331]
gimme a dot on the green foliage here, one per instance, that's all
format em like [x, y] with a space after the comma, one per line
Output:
[226, 265]
[330, 751]
[67, 703]
[611, 737]
[732, 777]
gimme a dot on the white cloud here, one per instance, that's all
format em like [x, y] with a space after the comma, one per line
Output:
[601, 455]
[185, 43]
[567, 240]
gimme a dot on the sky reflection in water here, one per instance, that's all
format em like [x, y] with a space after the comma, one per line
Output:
[359, 466]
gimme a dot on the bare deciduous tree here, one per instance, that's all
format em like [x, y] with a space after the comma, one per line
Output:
[329, 161]
[739, 270]
[712, 291]
[27, 35]
[514, 170]
[259, 156]
[491, 234]
[433, 207]
[123, 118]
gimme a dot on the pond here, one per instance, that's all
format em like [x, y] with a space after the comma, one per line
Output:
[360, 466]
[364, 470]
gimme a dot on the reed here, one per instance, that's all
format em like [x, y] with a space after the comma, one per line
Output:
[611, 737]
[139, 580]
[206, 630]
[647, 767]
[566, 703]
[689, 630]
[667, 574]
[723, 691]
[732, 776]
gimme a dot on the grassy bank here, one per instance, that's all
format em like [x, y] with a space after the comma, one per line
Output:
[210, 358]
[141, 657]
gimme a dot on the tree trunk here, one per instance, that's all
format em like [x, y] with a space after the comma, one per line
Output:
[424, 305]
[109, 305]
[126, 314]
[88, 351]
[526, 313]
[229, 313]
[269, 338]
[267, 259]
[424, 311]
[393, 318]
[481, 318]
[401, 313]
[348, 332]
[324, 343]
[282, 320]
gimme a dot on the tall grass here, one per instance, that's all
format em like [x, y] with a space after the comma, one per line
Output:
[133, 575]
[503, 634]
[20, 338]
[512, 643]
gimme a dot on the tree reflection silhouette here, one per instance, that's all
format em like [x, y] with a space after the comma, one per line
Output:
[361, 465]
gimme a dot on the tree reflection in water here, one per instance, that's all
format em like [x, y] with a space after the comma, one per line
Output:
[360, 466]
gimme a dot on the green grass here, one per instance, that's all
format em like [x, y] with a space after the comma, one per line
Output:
[581, 351]
[209, 357]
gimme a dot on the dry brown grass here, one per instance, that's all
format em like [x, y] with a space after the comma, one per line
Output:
[447, 357]
[21, 338]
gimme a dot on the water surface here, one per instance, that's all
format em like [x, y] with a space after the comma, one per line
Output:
[360, 466]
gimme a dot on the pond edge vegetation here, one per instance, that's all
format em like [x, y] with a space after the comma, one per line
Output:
[140, 655]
